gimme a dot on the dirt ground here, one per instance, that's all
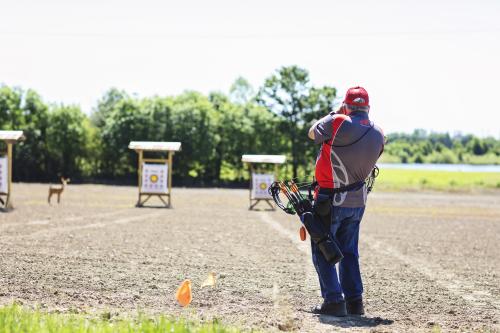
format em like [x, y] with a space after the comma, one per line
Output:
[428, 259]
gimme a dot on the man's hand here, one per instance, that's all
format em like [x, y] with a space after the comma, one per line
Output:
[311, 133]
[342, 109]
[311, 130]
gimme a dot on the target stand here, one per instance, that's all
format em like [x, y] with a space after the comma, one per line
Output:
[259, 180]
[9, 138]
[155, 174]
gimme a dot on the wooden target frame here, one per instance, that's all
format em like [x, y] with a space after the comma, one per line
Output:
[10, 138]
[251, 160]
[163, 147]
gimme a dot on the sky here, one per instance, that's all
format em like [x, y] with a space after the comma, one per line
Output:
[426, 64]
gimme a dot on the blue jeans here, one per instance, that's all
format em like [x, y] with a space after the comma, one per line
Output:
[345, 231]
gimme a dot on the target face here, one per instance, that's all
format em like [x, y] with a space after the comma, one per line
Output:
[260, 184]
[154, 178]
[3, 174]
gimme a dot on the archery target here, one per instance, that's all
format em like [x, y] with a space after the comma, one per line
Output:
[4, 164]
[154, 178]
[260, 184]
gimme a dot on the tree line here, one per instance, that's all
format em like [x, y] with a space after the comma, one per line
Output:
[424, 147]
[215, 130]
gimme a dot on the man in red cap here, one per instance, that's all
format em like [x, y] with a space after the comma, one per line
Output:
[350, 147]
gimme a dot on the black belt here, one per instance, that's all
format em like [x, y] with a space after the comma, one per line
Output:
[348, 188]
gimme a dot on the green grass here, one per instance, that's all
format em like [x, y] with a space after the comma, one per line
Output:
[393, 179]
[16, 319]
[435, 157]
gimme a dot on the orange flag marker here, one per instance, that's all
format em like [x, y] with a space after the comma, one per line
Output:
[183, 294]
[303, 233]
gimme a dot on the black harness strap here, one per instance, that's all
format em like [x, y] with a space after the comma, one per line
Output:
[351, 187]
[331, 191]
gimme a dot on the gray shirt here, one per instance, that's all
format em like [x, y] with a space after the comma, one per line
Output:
[350, 147]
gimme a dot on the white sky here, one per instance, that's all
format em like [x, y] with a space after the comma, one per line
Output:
[426, 64]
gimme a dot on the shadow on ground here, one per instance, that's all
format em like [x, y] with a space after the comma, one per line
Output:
[354, 321]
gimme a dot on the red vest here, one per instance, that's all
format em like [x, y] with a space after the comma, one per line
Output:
[324, 168]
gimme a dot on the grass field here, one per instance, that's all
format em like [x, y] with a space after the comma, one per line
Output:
[392, 179]
[14, 319]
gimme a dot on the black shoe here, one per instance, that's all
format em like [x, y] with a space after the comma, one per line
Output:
[355, 307]
[332, 309]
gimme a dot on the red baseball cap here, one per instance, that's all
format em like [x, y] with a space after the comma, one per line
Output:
[357, 96]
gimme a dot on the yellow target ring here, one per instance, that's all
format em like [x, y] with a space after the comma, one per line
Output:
[263, 186]
[153, 178]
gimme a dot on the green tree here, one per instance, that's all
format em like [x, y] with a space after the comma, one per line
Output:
[289, 94]
[241, 91]
[67, 142]
[235, 133]
[11, 114]
[477, 146]
[31, 158]
[159, 110]
[195, 125]
[125, 122]
[106, 105]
